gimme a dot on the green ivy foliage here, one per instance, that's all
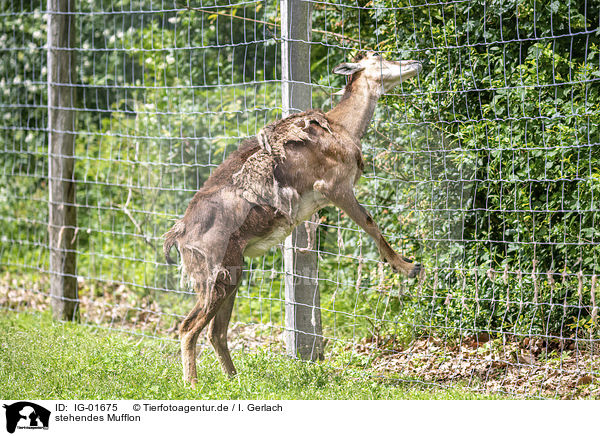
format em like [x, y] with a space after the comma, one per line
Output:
[486, 169]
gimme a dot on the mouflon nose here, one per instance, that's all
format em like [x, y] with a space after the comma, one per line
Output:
[414, 64]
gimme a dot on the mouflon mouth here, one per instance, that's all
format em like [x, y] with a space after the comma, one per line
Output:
[410, 69]
[414, 65]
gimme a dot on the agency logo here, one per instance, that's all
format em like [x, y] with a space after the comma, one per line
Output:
[26, 415]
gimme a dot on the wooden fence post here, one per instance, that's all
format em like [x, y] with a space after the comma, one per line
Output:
[62, 218]
[303, 332]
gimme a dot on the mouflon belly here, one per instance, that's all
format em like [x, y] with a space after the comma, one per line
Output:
[307, 205]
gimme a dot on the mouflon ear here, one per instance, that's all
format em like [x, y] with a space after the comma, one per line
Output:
[348, 68]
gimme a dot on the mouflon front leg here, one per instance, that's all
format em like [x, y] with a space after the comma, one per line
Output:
[343, 197]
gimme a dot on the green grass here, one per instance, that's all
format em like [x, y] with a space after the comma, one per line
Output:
[43, 359]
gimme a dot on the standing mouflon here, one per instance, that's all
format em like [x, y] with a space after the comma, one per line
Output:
[273, 182]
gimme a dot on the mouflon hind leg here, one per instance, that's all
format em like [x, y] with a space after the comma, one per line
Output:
[217, 333]
[216, 286]
[192, 326]
[216, 274]
[188, 337]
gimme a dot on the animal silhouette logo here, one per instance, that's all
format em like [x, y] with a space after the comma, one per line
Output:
[26, 415]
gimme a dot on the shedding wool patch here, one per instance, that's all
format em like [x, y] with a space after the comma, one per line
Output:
[256, 178]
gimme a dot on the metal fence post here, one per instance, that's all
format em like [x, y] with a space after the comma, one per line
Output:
[62, 218]
[303, 333]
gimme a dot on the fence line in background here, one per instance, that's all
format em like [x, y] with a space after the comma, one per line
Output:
[485, 169]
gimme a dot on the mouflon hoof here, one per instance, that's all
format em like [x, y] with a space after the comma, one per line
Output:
[417, 270]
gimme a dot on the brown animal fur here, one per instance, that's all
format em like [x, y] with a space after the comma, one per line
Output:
[273, 182]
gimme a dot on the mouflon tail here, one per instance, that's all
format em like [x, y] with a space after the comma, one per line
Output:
[171, 236]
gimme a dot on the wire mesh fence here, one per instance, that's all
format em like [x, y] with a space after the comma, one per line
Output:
[486, 169]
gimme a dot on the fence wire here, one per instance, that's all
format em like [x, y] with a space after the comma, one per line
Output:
[486, 169]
